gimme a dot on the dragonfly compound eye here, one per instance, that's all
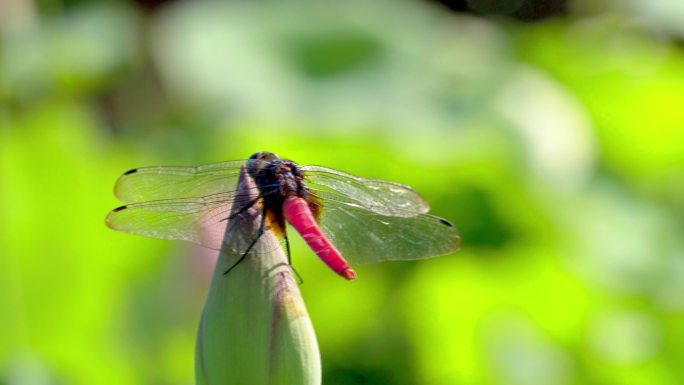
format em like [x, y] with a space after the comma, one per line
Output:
[260, 161]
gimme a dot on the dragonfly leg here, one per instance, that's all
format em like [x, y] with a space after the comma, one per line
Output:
[262, 226]
[289, 260]
[242, 210]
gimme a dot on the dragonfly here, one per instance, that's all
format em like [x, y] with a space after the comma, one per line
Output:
[343, 218]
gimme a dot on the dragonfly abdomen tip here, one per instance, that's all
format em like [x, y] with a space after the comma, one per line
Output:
[349, 274]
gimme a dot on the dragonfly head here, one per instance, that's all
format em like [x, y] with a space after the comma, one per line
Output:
[260, 161]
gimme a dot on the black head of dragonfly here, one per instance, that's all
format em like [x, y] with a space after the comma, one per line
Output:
[276, 177]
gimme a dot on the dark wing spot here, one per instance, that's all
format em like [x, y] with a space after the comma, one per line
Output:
[129, 172]
[445, 222]
[118, 209]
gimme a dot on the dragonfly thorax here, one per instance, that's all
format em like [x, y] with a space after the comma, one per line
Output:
[276, 177]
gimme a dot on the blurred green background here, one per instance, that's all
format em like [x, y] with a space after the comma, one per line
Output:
[550, 132]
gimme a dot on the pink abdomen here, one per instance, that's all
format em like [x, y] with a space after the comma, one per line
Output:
[299, 215]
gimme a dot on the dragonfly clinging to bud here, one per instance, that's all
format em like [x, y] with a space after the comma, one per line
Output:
[343, 218]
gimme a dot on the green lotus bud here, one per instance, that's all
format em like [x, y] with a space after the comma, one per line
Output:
[255, 328]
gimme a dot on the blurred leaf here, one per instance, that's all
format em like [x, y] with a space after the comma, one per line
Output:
[333, 54]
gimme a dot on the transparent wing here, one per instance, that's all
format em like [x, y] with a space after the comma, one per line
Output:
[164, 182]
[380, 196]
[206, 220]
[364, 236]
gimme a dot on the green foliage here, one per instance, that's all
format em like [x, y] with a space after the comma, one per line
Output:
[556, 147]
